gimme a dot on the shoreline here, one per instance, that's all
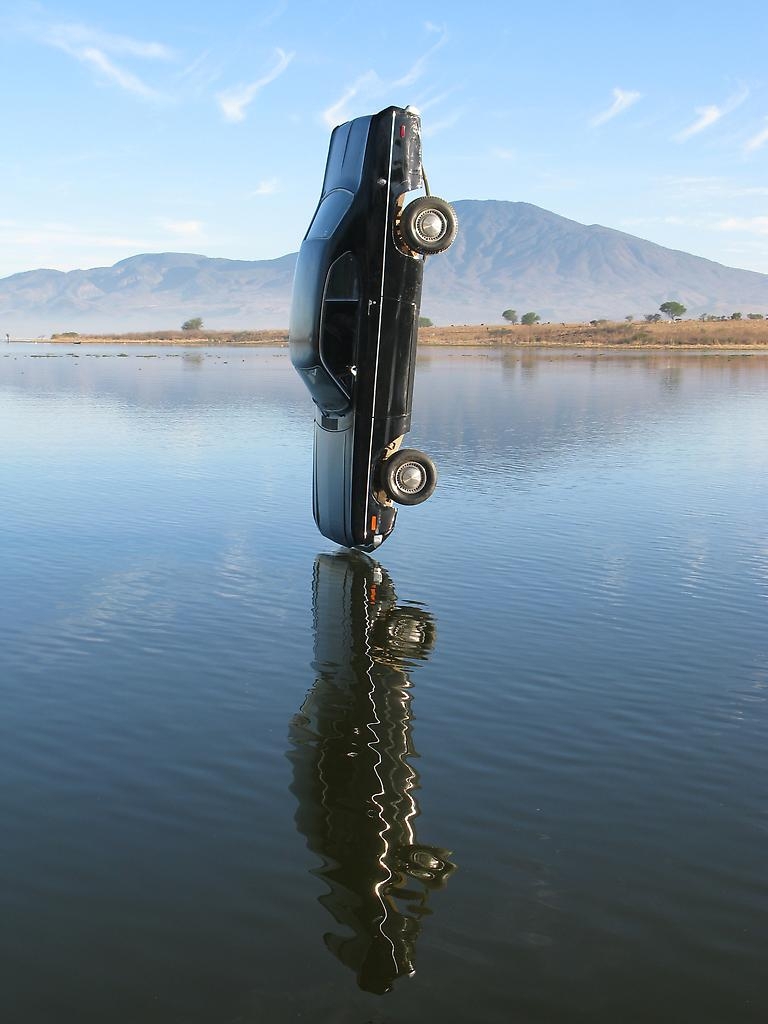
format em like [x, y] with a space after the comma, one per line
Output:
[595, 346]
[726, 336]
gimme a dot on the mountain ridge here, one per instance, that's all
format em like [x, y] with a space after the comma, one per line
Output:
[506, 255]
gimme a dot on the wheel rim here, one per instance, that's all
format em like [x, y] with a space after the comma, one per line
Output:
[411, 477]
[430, 226]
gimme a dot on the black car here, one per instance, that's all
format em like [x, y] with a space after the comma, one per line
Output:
[354, 323]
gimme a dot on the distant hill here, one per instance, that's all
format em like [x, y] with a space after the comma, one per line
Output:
[507, 254]
[520, 256]
[150, 291]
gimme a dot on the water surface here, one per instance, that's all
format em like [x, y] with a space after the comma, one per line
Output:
[512, 771]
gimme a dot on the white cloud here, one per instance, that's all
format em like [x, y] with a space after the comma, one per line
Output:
[95, 48]
[708, 188]
[707, 116]
[750, 225]
[622, 100]
[74, 36]
[418, 67]
[267, 187]
[48, 233]
[126, 80]
[183, 228]
[435, 127]
[367, 84]
[711, 115]
[200, 73]
[554, 182]
[673, 220]
[372, 85]
[757, 141]
[233, 102]
[271, 16]
[426, 103]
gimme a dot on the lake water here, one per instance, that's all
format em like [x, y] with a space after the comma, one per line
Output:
[513, 771]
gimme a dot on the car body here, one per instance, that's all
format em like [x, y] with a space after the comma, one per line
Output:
[354, 323]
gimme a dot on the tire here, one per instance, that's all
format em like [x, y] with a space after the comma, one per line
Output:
[409, 476]
[428, 225]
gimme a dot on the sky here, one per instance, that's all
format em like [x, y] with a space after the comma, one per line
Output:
[191, 127]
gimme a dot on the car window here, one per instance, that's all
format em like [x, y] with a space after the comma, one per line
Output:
[343, 282]
[329, 213]
[340, 321]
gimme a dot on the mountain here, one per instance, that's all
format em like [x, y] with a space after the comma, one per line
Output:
[506, 254]
[518, 255]
[142, 293]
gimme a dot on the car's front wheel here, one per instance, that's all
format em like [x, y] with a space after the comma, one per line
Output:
[409, 476]
[428, 225]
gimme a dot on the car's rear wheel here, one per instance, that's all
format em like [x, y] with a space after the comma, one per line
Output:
[428, 225]
[409, 476]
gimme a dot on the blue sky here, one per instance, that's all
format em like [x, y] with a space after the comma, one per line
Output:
[203, 128]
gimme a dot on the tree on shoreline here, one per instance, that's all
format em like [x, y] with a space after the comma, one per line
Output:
[510, 315]
[530, 318]
[192, 325]
[674, 310]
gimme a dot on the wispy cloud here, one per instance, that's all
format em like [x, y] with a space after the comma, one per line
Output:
[268, 187]
[199, 74]
[125, 79]
[12, 233]
[233, 102]
[417, 69]
[558, 182]
[711, 115]
[64, 246]
[97, 50]
[73, 36]
[707, 117]
[745, 225]
[757, 141]
[271, 16]
[623, 99]
[750, 225]
[371, 85]
[183, 228]
[672, 219]
[367, 84]
[426, 103]
[708, 188]
[435, 127]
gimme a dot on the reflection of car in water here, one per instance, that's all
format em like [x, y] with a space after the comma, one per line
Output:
[354, 323]
[351, 745]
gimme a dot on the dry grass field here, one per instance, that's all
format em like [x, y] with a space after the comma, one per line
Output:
[275, 337]
[679, 334]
